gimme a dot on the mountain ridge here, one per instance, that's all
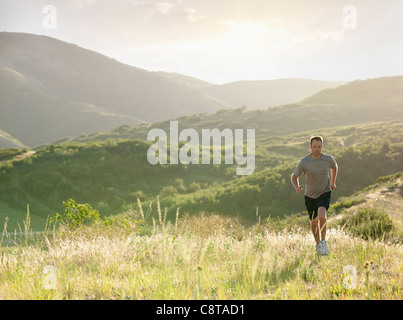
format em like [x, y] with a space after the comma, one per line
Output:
[51, 89]
[262, 94]
[313, 113]
[40, 75]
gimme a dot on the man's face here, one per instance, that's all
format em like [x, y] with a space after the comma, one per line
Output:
[316, 147]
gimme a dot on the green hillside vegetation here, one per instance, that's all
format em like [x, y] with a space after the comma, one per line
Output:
[9, 154]
[111, 175]
[272, 193]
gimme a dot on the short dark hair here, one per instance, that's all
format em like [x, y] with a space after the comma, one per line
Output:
[318, 138]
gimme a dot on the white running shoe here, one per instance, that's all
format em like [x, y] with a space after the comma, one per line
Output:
[319, 250]
[325, 249]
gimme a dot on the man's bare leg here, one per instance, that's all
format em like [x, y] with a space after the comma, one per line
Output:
[319, 223]
[322, 222]
[315, 229]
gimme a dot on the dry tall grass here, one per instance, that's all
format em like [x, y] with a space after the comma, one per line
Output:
[199, 257]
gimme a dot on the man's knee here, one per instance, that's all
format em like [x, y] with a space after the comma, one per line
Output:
[322, 212]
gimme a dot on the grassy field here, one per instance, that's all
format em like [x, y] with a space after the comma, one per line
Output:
[203, 256]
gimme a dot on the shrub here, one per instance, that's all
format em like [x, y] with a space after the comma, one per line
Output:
[168, 191]
[368, 223]
[76, 215]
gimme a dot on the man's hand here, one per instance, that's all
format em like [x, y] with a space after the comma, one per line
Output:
[299, 189]
[333, 186]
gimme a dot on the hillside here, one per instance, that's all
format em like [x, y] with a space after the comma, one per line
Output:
[50, 89]
[258, 94]
[386, 194]
[386, 93]
[362, 157]
[354, 103]
[7, 141]
[112, 174]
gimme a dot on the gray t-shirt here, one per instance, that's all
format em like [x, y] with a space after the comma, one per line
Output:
[316, 173]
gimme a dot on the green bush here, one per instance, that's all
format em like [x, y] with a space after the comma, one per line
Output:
[168, 191]
[76, 215]
[368, 223]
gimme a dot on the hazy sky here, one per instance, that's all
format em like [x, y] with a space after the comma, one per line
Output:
[228, 40]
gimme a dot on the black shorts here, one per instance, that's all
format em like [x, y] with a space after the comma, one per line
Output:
[312, 205]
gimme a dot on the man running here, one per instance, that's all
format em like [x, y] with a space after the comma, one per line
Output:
[318, 191]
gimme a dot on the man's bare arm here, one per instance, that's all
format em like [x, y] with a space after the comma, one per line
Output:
[333, 177]
[295, 183]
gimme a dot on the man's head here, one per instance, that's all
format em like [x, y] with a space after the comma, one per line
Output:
[316, 145]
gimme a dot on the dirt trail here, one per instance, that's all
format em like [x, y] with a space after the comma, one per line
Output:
[387, 197]
[25, 155]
